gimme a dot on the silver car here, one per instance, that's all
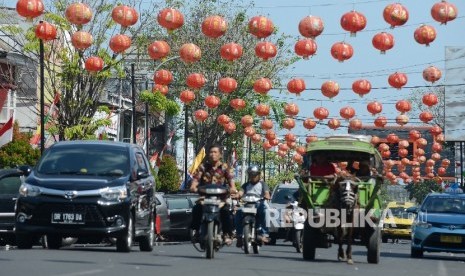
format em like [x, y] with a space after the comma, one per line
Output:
[282, 196]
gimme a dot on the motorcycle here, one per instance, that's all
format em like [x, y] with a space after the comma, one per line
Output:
[297, 220]
[249, 213]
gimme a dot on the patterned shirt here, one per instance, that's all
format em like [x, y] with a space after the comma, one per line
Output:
[219, 175]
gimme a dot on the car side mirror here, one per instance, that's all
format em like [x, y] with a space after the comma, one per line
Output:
[141, 174]
[413, 210]
[25, 169]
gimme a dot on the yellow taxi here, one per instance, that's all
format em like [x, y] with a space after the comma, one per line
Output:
[397, 221]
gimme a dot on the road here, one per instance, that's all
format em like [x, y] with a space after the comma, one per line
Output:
[182, 259]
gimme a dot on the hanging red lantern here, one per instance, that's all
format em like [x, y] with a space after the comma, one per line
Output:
[158, 49]
[353, 22]
[395, 14]
[230, 127]
[163, 77]
[187, 96]
[266, 124]
[421, 142]
[190, 53]
[291, 109]
[262, 110]
[342, 51]
[445, 163]
[214, 26]
[94, 64]
[444, 12]
[374, 107]
[330, 89]
[425, 34]
[441, 171]
[430, 162]
[283, 147]
[237, 104]
[247, 121]
[436, 147]
[195, 80]
[256, 138]
[231, 51]
[78, 14]
[432, 74]
[45, 31]
[296, 86]
[266, 145]
[170, 19]
[212, 101]
[381, 121]
[361, 87]
[383, 41]
[355, 124]
[321, 113]
[402, 120]
[305, 48]
[397, 80]
[440, 138]
[414, 135]
[403, 106]
[392, 138]
[347, 112]
[227, 85]
[311, 26]
[265, 50]
[270, 135]
[288, 123]
[383, 147]
[311, 139]
[81, 40]
[30, 8]
[301, 150]
[386, 155]
[262, 86]
[120, 43]
[298, 158]
[430, 99]
[290, 137]
[309, 124]
[403, 144]
[435, 130]
[436, 156]
[405, 161]
[260, 26]
[163, 89]
[249, 131]
[334, 124]
[375, 140]
[200, 115]
[124, 15]
[402, 152]
[426, 116]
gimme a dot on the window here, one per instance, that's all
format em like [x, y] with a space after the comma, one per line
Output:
[10, 185]
[140, 162]
[178, 203]
[284, 196]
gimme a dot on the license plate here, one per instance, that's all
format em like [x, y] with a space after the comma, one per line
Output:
[451, 239]
[68, 218]
[249, 210]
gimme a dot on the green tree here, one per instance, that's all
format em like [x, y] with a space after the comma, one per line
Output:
[168, 179]
[19, 151]
[420, 190]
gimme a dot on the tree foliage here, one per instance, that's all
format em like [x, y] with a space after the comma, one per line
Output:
[19, 151]
[168, 179]
[420, 190]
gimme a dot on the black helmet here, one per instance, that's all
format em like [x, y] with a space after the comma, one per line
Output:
[253, 170]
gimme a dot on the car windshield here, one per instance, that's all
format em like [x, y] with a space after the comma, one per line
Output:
[82, 160]
[444, 205]
[178, 203]
[285, 195]
[399, 212]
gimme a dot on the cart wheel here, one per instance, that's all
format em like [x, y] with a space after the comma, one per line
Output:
[309, 242]
[374, 246]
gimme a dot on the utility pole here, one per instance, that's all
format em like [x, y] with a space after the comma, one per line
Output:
[133, 89]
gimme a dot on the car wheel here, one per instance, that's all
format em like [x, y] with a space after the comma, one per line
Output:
[24, 241]
[416, 253]
[54, 241]
[384, 239]
[124, 243]
[146, 242]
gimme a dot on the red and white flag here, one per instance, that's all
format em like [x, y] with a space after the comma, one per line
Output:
[234, 158]
[6, 133]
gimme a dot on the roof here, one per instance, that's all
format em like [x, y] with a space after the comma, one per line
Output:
[94, 143]
[358, 143]
[451, 195]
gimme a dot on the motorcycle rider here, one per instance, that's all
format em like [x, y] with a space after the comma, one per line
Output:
[213, 171]
[256, 186]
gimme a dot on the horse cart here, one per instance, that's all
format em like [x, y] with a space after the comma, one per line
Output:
[345, 208]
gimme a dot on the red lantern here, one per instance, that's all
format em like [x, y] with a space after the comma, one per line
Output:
[124, 15]
[201, 115]
[426, 116]
[305, 48]
[355, 124]
[158, 49]
[230, 127]
[444, 12]
[298, 158]
[395, 14]
[296, 86]
[425, 34]
[78, 13]
[81, 40]
[440, 138]
[120, 43]
[163, 77]
[266, 145]
[430, 162]
[374, 107]
[46, 31]
[383, 147]
[421, 142]
[375, 140]
[402, 152]
[212, 101]
[94, 64]
[311, 26]
[430, 99]
[237, 104]
[414, 135]
[262, 86]
[386, 154]
[405, 161]
[291, 109]
[261, 26]
[163, 89]
[309, 124]
[301, 150]
[435, 130]
[403, 106]
[311, 138]
[288, 123]
[397, 80]
[187, 96]
[392, 138]
[30, 8]
[361, 87]
[227, 85]
[214, 26]
[403, 144]
[347, 112]
[290, 137]
[231, 51]
[271, 136]
[256, 138]
[330, 89]
[266, 124]
[265, 50]
[321, 113]
[170, 19]
[342, 51]
[283, 147]
[249, 131]
[262, 110]
[381, 121]
[334, 124]
[402, 120]
[436, 156]
[353, 22]
[441, 171]
[247, 121]
[432, 74]
[190, 53]
[445, 163]
[436, 147]
[195, 81]
[383, 42]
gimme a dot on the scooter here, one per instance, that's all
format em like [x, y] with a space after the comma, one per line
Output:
[249, 212]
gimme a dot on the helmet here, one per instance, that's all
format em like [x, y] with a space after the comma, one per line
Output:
[253, 170]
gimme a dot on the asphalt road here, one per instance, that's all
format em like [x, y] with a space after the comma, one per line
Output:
[183, 259]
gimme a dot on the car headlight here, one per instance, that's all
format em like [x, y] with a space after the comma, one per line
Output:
[114, 193]
[26, 190]
[423, 225]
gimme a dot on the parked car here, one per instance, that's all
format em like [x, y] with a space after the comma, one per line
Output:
[10, 180]
[398, 222]
[282, 196]
[162, 225]
[439, 225]
[88, 189]
[180, 214]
